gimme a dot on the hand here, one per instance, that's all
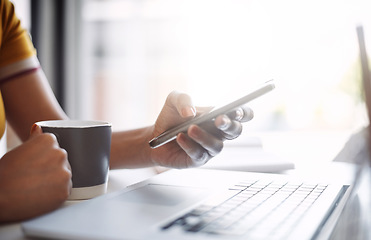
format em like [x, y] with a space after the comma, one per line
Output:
[35, 178]
[200, 143]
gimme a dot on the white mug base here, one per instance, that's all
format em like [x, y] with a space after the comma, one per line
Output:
[87, 192]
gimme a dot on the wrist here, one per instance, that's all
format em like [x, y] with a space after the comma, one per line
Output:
[130, 149]
[150, 151]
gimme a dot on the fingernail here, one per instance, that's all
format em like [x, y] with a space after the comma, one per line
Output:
[33, 128]
[189, 112]
[239, 114]
[226, 122]
[249, 114]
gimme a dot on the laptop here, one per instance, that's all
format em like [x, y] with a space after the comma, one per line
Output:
[205, 204]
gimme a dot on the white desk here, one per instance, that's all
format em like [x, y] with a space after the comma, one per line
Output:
[118, 179]
[121, 178]
[282, 146]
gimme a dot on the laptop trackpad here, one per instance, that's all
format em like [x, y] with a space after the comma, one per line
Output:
[164, 195]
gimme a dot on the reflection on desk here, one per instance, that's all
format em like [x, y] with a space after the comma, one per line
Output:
[355, 220]
[249, 159]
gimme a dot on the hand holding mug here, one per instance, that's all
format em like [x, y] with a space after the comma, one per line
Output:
[34, 177]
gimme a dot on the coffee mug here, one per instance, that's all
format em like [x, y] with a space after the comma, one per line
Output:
[88, 145]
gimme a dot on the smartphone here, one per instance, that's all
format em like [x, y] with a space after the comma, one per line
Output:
[171, 134]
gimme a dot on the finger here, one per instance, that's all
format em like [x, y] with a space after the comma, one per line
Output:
[35, 130]
[66, 162]
[230, 129]
[183, 103]
[213, 145]
[198, 156]
[68, 166]
[241, 114]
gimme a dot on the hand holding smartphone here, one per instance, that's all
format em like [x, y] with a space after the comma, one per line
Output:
[171, 134]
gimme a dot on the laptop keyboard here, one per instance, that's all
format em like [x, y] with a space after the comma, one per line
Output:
[257, 208]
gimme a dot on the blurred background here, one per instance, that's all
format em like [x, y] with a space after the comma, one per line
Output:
[117, 60]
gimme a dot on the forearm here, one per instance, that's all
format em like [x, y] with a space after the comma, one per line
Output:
[28, 99]
[130, 149]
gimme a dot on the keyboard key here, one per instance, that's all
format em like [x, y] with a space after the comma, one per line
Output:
[258, 209]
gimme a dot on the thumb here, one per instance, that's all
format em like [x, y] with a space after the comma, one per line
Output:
[183, 103]
[35, 130]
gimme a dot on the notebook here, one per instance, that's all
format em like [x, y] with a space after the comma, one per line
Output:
[204, 204]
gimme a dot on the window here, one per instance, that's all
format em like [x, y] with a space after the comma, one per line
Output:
[125, 56]
[133, 53]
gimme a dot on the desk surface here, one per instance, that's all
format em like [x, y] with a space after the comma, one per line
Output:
[120, 179]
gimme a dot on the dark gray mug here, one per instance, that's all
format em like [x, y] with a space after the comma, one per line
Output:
[88, 145]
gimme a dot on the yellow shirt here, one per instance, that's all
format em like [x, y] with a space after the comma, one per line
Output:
[17, 54]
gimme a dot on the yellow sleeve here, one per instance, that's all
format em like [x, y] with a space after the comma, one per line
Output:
[17, 53]
[15, 42]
